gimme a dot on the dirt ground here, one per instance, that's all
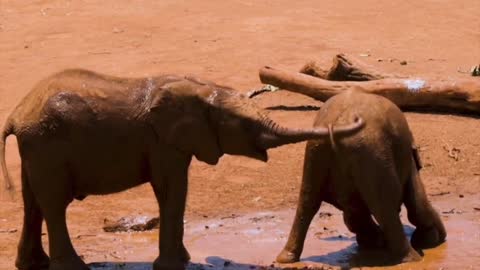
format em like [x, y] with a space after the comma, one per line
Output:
[227, 42]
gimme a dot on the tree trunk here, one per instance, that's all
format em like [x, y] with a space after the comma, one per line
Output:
[458, 96]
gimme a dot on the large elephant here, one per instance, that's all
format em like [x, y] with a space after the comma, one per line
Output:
[82, 133]
[370, 173]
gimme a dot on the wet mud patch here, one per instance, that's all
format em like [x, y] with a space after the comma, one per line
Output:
[252, 241]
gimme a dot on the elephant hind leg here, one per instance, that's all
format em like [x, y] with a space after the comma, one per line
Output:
[430, 230]
[30, 251]
[52, 188]
[360, 222]
[381, 190]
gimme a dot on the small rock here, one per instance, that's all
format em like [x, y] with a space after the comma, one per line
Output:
[403, 63]
[232, 216]
[207, 227]
[126, 224]
[461, 196]
[117, 30]
[475, 71]
[257, 219]
[9, 231]
[451, 211]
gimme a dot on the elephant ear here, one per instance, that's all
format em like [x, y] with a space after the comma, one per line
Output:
[186, 127]
[195, 136]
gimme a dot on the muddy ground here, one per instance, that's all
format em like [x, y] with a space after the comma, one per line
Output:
[227, 41]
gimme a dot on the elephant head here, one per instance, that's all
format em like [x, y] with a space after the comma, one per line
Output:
[218, 120]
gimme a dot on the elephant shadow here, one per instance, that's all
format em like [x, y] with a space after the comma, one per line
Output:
[351, 256]
[212, 263]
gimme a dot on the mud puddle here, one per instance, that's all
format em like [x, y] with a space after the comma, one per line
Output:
[253, 240]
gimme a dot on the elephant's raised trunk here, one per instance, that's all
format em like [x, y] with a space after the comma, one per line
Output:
[276, 135]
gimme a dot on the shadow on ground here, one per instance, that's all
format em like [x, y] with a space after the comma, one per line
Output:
[302, 108]
[351, 256]
[212, 262]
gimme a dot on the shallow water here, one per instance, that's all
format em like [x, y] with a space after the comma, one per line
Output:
[253, 241]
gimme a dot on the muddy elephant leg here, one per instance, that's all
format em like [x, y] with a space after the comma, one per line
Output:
[52, 188]
[315, 173]
[381, 190]
[170, 187]
[367, 232]
[31, 255]
[429, 231]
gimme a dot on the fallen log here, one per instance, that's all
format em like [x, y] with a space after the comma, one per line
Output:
[457, 96]
[345, 69]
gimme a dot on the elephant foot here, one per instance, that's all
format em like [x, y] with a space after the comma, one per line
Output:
[171, 261]
[412, 256]
[74, 263]
[371, 241]
[38, 261]
[169, 264]
[426, 238]
[184, 255]
[287, 257]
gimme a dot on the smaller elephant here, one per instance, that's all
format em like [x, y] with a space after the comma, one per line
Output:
[82, 133]
[368, 174]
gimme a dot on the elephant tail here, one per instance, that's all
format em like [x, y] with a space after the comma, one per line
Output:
[331, 137]
[7, 130]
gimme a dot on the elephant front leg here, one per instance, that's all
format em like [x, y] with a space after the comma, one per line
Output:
[171, 193]
[382, 195]
[430, 231]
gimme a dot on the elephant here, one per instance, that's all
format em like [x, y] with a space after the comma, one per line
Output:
[83, 133]
[370, 173]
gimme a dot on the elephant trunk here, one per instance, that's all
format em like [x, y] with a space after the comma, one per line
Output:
[275, 135]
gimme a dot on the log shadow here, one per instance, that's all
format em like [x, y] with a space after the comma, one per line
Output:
[302, 108]
[440, 111]
[405, 109]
